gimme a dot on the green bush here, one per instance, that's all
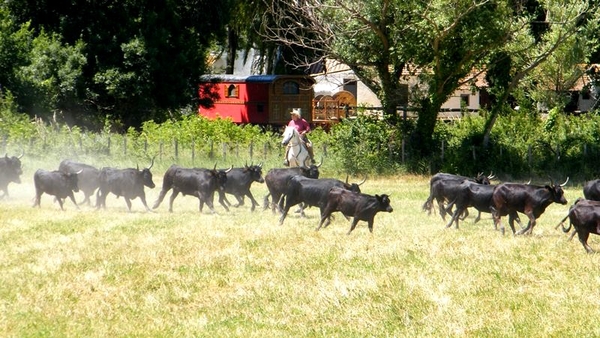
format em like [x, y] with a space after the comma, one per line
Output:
[523, 144]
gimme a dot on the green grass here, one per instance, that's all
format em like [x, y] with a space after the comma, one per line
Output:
[239, 274]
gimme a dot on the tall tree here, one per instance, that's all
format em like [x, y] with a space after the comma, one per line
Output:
[547, 50]
[143, 58]
[446, 43]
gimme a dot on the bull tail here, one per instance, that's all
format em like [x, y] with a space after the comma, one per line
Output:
[565, 230]
[266, 201]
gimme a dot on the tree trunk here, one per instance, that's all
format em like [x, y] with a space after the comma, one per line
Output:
[232, 46]
[423, 135]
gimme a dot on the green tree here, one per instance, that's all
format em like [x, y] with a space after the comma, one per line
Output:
[446, 43]
[142, 58]
[15, 44]
[50, 82]
[541, 63]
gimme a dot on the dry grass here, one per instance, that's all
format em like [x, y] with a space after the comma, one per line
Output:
[112, 273]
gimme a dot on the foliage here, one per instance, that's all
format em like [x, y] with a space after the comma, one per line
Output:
[363, 145]
[52, 80]
[137, 70]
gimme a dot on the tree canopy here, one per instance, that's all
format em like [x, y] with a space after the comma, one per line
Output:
[445, 43]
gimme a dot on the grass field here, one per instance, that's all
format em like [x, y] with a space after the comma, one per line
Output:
[111, 273]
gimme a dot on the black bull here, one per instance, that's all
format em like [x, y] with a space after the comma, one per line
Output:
[128, 183]
[10, 171]
[473, 194]
[198, 182]
[445, 188]
[531, 200]
[591, 190]
[276, 181]
[238, 183]
[56, 183]
[362, 207]
[584, 216]
[312, 192]
[88, 180]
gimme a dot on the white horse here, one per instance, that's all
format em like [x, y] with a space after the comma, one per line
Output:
[298, 153]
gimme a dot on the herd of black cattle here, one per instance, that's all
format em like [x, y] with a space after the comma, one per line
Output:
[302, 186]
[287, 187]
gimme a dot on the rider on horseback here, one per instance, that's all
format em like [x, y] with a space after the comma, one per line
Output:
[303, 128]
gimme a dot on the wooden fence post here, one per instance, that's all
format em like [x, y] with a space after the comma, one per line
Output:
[108, 147]
[211, 151]
[125, 145]
[403, 149]
[251, 150]
[160, 150]
[443, 149]
[265, 149]
[176, 145]
[193, 150]
[224, 147]
[530, 159]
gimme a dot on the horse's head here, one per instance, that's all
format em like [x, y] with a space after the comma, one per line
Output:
[289, 134]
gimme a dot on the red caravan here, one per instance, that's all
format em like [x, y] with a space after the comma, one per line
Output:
[256, 99]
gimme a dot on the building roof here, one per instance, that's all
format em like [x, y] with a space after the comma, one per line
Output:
[247, 78]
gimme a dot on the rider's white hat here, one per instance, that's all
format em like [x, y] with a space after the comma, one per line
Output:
[296, 111]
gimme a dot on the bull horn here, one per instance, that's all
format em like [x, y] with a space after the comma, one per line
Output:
[215, 168]
[562, 185]
[22, 153]
[260, 165]
[228, 170]
[6, 155]
[79, 172]
[151, 163]
[363, 181]
[480, 174]
[319, 165]
[346, 178]
[491, 176]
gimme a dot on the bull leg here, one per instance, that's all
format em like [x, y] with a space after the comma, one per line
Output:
[371, 225]
[60, 203]
[455, 217]
[209, 202]
[512, 216]
[284, 214]
[143, 198]
[572, 234]
[210, 199]
[353, 225]
[172, 198]
[240, 200]
[223, 200]
[128, 202]
[100, 199]
[38, 198]
[325, 215]
[583, 237]
[529, 229]
[497, 221]
[73, 200]
[478, 217]
[252, 200]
